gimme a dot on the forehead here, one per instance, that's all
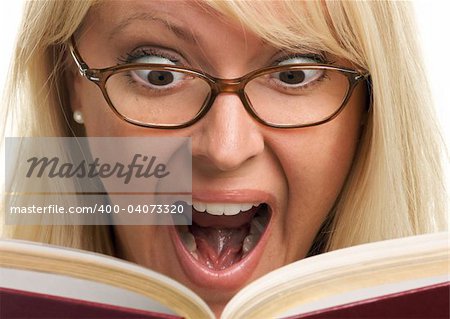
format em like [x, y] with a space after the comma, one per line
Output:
[183, 17]
[215, 29]
[189, 27]
[281, 23]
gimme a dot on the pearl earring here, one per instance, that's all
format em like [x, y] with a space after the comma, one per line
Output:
[78, 117]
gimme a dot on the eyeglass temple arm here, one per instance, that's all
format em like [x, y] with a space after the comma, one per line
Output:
[83, 68]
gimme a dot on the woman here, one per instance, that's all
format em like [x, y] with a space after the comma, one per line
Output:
[333, 143]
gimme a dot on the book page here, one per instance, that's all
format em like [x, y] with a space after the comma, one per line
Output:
[327, 276]
[102, 269]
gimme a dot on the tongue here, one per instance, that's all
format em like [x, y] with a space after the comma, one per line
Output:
[219, 248]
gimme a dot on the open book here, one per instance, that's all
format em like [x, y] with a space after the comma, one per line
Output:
[395, 278]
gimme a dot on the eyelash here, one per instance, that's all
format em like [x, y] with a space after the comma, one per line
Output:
[318, 58]
[130, 57]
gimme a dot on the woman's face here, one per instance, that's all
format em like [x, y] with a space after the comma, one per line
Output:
[296, 173]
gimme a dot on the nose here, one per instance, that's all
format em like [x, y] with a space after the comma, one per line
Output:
[227, 137]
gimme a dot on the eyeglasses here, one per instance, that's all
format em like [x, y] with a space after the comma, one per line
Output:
[170, 97]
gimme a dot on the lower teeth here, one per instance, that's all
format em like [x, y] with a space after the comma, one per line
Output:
[189, 241]
[257, 226]
[249, 243]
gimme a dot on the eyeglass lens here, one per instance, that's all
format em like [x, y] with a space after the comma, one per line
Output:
[289, 97]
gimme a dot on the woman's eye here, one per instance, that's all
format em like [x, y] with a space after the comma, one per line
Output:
[298, 78]
[156, 78]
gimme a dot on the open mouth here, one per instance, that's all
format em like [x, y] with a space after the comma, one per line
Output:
[223, 234]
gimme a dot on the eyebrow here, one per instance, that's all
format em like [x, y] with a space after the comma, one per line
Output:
[145, 16]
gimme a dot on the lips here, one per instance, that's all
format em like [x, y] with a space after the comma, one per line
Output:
[225, 242]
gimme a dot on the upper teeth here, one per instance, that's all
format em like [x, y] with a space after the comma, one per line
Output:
[223, 208]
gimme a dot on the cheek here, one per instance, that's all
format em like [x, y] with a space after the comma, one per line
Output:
[317, 161]
[99, 118]
[322, 169]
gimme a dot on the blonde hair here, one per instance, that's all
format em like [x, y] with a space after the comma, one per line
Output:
[395, 187]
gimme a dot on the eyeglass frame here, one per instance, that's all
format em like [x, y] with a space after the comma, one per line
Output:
[217, 86]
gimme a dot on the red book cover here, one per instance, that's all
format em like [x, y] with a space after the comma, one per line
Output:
[432, 302]
[15, 304]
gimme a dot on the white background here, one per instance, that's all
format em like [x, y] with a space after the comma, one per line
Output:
[433, 17]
